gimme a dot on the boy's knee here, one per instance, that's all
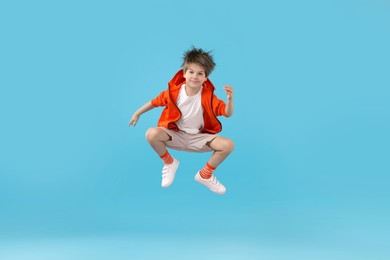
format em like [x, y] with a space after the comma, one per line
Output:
[151, 134]
[227, 145]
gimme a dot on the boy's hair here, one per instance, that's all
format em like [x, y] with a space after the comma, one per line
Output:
[194, 55]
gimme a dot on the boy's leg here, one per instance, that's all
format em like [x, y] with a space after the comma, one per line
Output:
[222, 148]
[157, 138]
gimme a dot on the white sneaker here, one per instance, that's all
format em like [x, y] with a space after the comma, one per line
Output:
[212, 183]
[168, 173]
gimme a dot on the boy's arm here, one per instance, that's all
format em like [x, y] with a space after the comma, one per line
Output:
[145, 108]
[230, 104]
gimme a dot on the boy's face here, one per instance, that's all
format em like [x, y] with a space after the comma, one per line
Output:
[195, 75]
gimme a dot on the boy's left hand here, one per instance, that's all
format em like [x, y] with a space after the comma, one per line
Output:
[229, 91]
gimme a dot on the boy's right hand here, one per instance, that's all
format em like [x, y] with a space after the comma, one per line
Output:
[133, 121]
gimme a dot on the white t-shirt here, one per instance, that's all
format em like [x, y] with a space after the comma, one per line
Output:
[191, 120]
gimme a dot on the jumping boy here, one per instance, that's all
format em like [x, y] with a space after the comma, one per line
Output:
[189, 120]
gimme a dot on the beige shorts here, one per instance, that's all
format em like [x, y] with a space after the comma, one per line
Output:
[189, 142]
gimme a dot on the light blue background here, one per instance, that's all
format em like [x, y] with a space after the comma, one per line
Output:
[309, 178]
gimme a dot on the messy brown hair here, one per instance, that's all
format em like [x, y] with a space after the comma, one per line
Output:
[201, 57]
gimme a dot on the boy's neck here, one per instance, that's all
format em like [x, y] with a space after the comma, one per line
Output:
[191, 91]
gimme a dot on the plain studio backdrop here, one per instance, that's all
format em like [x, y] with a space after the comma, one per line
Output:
[309, 176]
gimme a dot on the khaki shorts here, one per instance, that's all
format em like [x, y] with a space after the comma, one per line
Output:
[189, 142]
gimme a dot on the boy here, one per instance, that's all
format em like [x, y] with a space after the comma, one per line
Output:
[189, 120]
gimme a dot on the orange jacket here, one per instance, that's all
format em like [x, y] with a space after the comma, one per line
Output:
[212, 106]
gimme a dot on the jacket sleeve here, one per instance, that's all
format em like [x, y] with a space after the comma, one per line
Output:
[161, 99]
[219, 107]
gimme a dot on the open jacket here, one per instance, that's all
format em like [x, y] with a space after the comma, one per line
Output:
[212, 106]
